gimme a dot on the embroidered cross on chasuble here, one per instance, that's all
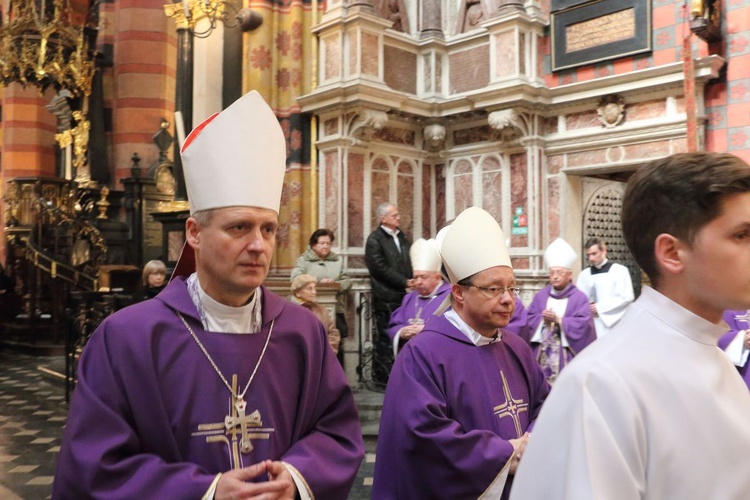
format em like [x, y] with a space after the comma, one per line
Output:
[237, 430]
[512, 407]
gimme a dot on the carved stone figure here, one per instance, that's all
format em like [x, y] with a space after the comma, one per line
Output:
[434, 136]
[611, 110]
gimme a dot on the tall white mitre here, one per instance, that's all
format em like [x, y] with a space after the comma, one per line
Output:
[473, 242]
[424, 255]
[560, 254]
[236, 158]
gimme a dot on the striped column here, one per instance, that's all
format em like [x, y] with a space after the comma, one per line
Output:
[143, 80]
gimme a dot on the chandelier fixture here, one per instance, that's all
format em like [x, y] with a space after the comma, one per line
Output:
[41, 46]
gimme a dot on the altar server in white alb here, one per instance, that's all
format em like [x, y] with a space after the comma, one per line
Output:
[656, 410]
[607, 285]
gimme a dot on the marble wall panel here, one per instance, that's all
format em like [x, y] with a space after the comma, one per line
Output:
[552, 221]
[505, 54]
[440, 193]
[370, 54]
[396, 135]
[583, 158]
[648, 150]
[331, 192]
[585, 119]
[646, 110]
[331, 127]
[427, 201]
[492, 194]
[469, 69]
[549, 125]
[353, 53]
[555, 163]
[405, 197]
[379, 193]
[355, 200]
[427, 64]
[402, 69]
[332, 50]
[463, 181]
[519, 194]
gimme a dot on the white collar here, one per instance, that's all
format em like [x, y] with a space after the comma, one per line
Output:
[476, 338]
[433, 293]
[602, 264]
[218, 317]
[392, 232]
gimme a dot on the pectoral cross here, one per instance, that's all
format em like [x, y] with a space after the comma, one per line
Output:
[236, 428]
[512, 407]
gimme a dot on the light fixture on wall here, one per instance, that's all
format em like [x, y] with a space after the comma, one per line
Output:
[188, 12]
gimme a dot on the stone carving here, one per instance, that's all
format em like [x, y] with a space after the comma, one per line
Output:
[509, 124]
[394, 11]
[434, 136]
[366, 123]
[611, 110]
[471, 15]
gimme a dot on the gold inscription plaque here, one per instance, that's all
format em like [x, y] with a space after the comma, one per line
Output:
[610, 28]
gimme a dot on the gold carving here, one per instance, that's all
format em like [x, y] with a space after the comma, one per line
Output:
[611, 28]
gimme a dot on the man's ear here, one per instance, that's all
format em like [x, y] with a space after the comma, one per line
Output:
[192, 233]
[458, 294]
[668, 252]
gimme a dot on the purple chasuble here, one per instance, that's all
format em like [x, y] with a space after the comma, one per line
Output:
[148, 415]
[737, 321]
[449, 410]
[577, 325]
[413, 306]
[518, 322]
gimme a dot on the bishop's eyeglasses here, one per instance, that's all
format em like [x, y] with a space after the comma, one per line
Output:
[493, 292]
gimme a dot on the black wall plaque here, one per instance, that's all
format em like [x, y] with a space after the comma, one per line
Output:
[600, 30]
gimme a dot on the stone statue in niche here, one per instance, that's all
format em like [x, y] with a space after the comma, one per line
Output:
[611, 110]
[394, 11]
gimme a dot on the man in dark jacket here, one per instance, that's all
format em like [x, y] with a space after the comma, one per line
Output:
[387, 259]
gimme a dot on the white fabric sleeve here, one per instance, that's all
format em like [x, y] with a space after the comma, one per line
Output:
[396, 339]
[302, 488]
[209, 495]
[495, 490]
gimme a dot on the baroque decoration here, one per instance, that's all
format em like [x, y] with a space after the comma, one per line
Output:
[41, 45]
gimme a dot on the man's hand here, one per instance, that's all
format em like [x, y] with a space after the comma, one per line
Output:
[519, 446]
[326, 280]
[410, 331]
[233, 484]
[550, 316]
[593, 309]
[410, 283]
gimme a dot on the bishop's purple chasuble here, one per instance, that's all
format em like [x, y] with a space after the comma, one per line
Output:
[449, 410]
[150, 417]
[737, 321]
[413, 307]
[577, 326]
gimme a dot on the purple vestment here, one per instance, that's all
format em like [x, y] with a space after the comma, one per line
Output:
[737, 321]
[449, 410]
[518, 322]
[413, 306]
[147, 418]
[577, 322]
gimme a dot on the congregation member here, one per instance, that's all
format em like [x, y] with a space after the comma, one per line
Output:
[429, 292]
[463, 394]
[519, 321]
[387, 259]
[217, 388]
[304, 293]
[655, 410]
[736, 342]
[559, 319]
[153, 277]
[328, 267]
[607, 285]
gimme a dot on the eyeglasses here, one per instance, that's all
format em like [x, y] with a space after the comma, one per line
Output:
[493, 292]
[558, 272]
